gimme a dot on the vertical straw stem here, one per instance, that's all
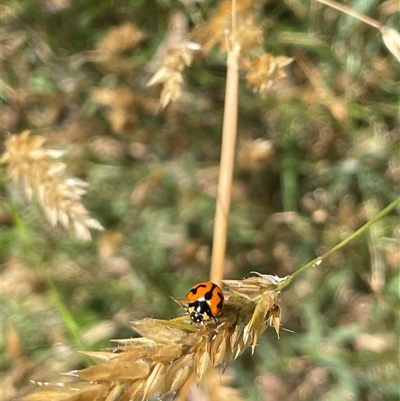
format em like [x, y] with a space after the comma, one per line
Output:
[226, 164]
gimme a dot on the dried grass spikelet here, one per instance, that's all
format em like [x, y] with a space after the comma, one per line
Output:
[214, 32]
[121, 38]
[58, 194]
[173, 55]
[170, 72]
[264, 70]
[170, 353]
[122, 107]
[112, 51]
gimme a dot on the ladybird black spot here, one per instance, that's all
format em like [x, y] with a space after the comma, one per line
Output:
[221, 302]
[209, 294]
[195, 289]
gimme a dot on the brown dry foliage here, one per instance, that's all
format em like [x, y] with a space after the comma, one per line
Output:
[171, 353]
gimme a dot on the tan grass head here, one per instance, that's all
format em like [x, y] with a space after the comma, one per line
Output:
[171, 353]
[29, 163]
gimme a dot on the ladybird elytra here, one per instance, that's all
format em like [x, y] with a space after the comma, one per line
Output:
[205, 301]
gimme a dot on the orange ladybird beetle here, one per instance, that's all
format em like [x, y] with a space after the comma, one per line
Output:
[205, 301]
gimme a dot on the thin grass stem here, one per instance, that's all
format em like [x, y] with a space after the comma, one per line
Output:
[227, 160]
[352, 13]
[317, 261]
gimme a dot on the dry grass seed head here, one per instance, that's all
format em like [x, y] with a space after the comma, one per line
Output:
[264, 70]
[214, 32]
[59, 195]
[173, 55]
[170, 72]
[121, 38]
[123, 107]
[178, 374]
[169, 353]
[109, 51]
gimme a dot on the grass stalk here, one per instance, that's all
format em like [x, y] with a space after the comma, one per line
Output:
[352, 13]
[226, 164]
[317, 261]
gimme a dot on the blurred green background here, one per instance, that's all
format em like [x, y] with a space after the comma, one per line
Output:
[315, 160]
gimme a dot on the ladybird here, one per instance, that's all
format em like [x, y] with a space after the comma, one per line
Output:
[205, 301]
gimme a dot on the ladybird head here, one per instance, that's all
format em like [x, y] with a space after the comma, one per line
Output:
[199, 311]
